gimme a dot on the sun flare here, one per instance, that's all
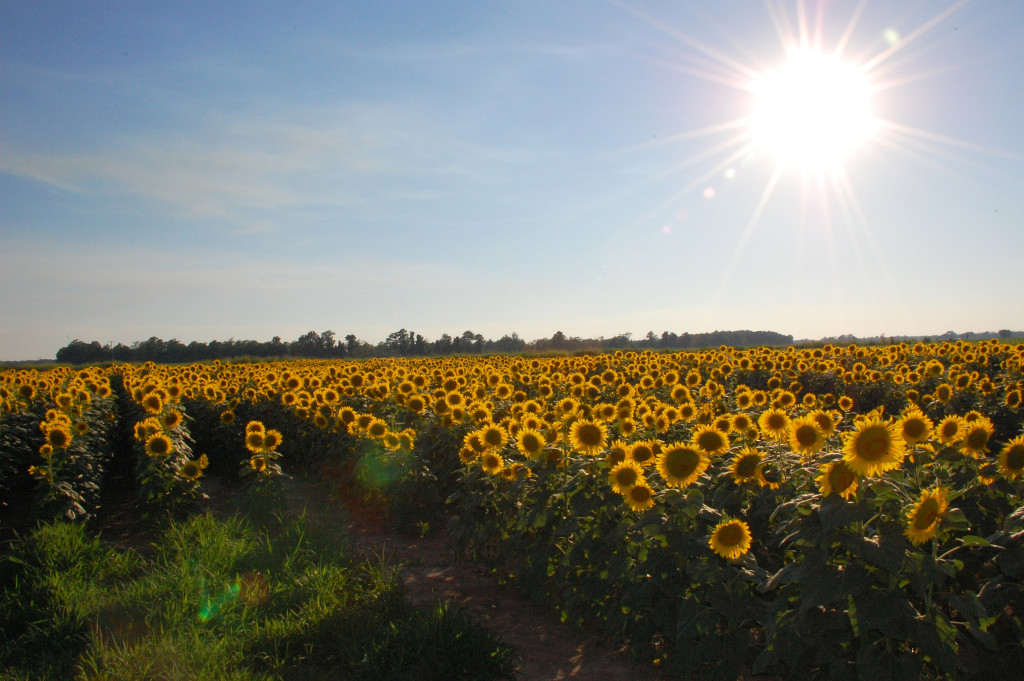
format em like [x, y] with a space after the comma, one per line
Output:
[812, 112]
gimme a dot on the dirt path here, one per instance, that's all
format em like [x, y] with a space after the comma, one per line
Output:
[548, 650]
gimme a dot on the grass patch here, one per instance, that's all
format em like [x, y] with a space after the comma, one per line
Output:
[224, 599]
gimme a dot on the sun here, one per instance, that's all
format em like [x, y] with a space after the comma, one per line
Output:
[812, 112]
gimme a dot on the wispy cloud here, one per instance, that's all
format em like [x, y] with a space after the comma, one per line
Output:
[232, 169]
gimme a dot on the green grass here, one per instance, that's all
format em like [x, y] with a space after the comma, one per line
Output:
[224, 599]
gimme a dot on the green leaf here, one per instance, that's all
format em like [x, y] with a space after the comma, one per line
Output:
[973, 540]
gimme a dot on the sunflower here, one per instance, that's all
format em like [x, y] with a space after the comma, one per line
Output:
[640, 497]
[255, 427]
[826, 424]
[376, 429]
[873, 448]
[158, 445]
[272, 440]
[171, 418]
[944, 393]
[191, 470]
[625, 475]
[152, 403]
[587, 437]
[805, 437]
[924, 517]
[492, 462]
[837, 478]
[530, 442]
[58, 436]
[258, 463]
[494, 437]
[1013, 399]
[976, 435]
[81, 428]
[774, 423]
[710, 441]
[747, 466]
[1011, 458]
[680, 465]
[730, 539]
[254, 441]
[915, 426]
[741, 423]
[641, 452]
[846, 403]
[618, 451]
[951, 429]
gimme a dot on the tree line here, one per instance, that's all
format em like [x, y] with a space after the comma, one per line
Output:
[401, 343]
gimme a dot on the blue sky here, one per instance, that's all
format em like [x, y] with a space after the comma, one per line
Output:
[210, 170]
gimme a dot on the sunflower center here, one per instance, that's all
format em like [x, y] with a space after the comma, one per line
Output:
[873, 444]
[626, 477]
[589, 435]
[1015, 458]
[977, 438]
[841, 477]
[914, 428]
[807, 436]
[682, 463]
[747, 466]
[730, 535]
[710, 440]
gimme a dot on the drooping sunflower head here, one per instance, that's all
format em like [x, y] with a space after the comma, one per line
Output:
[873, 448]
[730, 539]
[924, 517]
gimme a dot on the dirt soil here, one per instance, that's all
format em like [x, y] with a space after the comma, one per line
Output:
[547, 649]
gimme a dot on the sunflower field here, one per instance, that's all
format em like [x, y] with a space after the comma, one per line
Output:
[842, 512]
